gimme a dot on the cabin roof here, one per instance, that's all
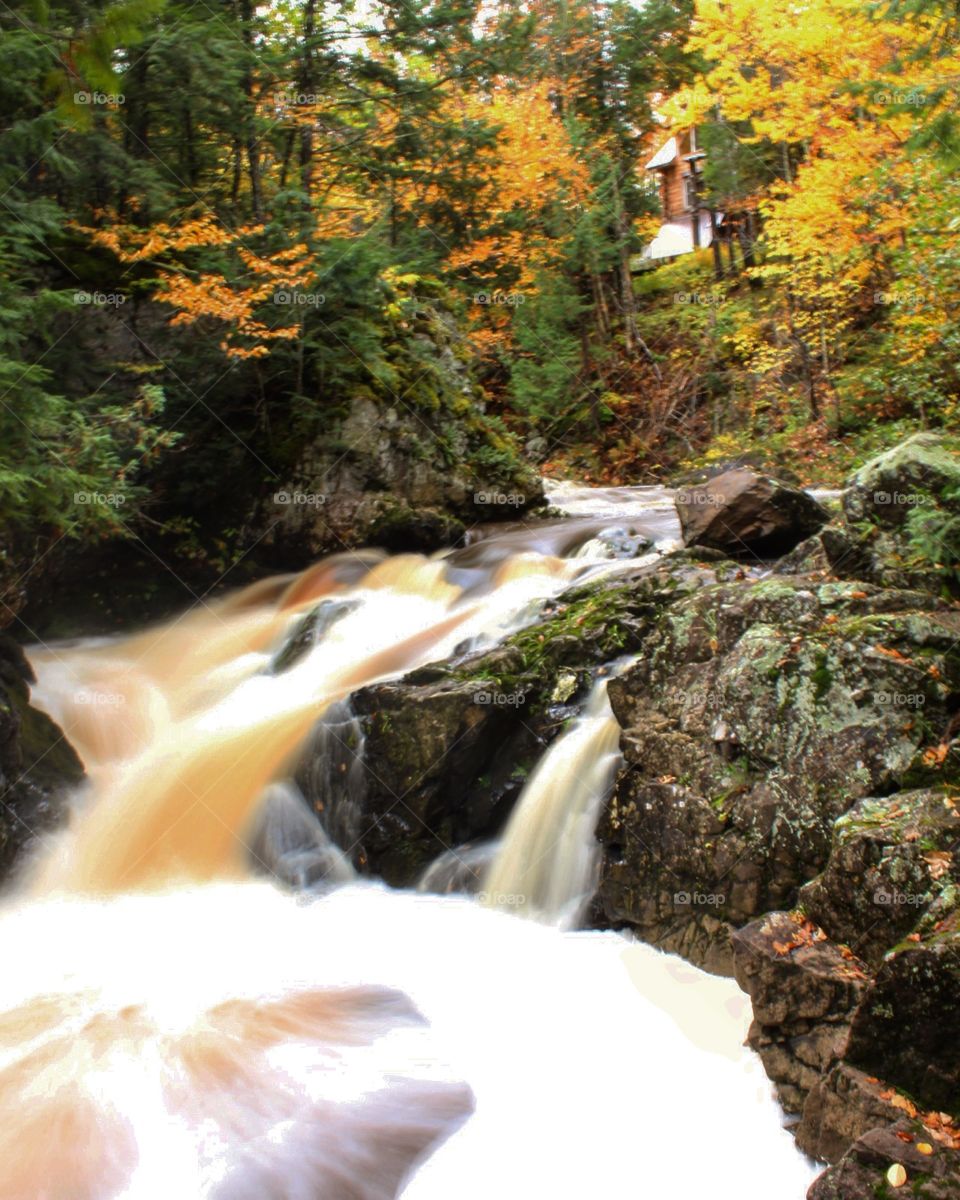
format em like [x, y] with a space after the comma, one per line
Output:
[666, 155]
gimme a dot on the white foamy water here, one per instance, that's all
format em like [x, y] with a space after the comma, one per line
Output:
[171, 1027]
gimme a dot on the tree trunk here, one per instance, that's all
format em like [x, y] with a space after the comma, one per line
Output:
[718, 270]
[250, 142]
[628, 302]
[732, 255]
[308, 86]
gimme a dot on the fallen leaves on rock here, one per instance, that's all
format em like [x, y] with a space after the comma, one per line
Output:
[938, 863]
[897, 1175]
[934, 756]
[890, 652]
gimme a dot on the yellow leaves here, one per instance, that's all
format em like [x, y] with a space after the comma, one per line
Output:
[246, 281]
[897, 1175]
[803, 75]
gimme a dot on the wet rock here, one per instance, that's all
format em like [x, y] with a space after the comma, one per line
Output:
[438, 758]
[747, 515]
[423, 757]
[38, 766]
[416, 530]
[863, 1172]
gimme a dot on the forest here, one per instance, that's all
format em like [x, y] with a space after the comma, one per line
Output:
[225, 225]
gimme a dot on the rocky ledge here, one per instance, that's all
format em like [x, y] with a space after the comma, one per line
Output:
[787, 809]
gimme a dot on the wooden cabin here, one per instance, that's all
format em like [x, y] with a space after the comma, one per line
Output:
[687, 224]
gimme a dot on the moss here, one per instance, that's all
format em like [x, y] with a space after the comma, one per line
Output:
[47, 755]
[821, 677]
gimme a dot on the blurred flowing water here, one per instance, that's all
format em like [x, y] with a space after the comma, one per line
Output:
[174, 1024]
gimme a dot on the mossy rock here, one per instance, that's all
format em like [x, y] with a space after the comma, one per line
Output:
[891, 871]
[38, 766]
[757, 713]
[919, 471]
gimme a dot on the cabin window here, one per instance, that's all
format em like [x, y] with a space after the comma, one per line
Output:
[690, 191]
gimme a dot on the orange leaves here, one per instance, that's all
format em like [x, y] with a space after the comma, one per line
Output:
[890, 652]
[244, 281]
[806, 934]
[935, 756]
[134, 244]
[531, 165]
[938, 863]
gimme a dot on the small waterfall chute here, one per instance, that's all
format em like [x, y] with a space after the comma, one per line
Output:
[461, 870]
[547, 863]
[289, 843]
[333, 775]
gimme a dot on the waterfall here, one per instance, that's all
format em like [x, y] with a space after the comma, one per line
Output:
[546, 866]
[460, 870]
[290, 843]
[172, 1023]
[333, 775]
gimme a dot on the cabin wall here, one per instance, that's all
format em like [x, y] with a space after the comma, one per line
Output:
[671, 191]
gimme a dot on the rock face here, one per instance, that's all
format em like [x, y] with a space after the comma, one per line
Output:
[907, 1030]
[438, 758]
[757, 713]
[804, 989]
[37, 764]
[406, 470]
[853, 1043]
[747, 515]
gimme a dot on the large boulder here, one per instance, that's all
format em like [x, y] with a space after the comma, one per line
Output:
[921, 471]
[423, 764]
[901, 513]
[745, 514]
[758, 713]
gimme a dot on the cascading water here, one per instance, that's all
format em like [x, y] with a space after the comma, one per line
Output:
[172, 1025]
[334, 775]
[546, 865]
